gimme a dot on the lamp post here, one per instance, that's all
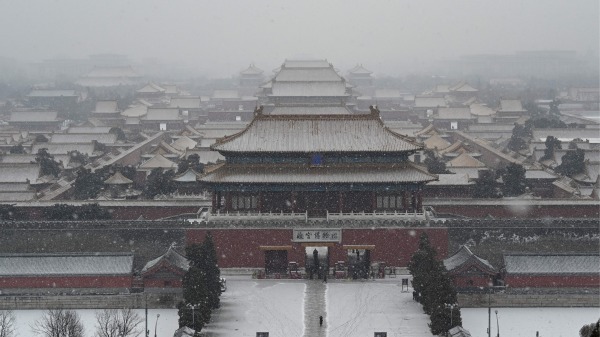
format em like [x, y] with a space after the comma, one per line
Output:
[156, 324]
[193, 307]
[490, 312]
[497, 324]
[451, 307]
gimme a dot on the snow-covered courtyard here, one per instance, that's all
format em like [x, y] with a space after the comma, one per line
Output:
[288, 308]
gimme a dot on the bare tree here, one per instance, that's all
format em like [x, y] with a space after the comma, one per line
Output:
[7, 323]
[59, 323]
[118, 323]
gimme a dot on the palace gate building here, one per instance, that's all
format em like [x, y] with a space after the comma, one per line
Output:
[310, 181]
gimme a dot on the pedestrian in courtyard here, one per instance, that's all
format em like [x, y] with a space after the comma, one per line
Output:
[320, 320]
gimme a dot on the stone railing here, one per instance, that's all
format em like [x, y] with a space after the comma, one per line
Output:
[385, 215]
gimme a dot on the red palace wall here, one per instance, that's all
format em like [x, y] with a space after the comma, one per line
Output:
[477, 281]
[162, 283]
[67, 282]
[552, 281]
[241, 247]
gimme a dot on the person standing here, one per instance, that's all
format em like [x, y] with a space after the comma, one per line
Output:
[320, 320]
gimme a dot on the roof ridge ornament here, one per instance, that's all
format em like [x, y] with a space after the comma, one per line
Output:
[374, 110]
[258, 110]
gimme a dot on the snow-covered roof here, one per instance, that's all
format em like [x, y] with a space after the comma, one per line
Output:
[107, 138]
[135, 111]
[64, 148]
[118, 179]
[151, 88]
[296, 174]
[17, 159]
[33, 116]
[360, 70]
[436, 142]
[291, 89]
[188, 176]
[251, 70]
[310, 110]
[464, 257]
[183, 143]
[308, 75]
[306, 64]
[465, 160]
[307, 133]
[19, 173]
[66, 264]
[172, 257]
[106, 107]
[158, 161]
[564, 264]
[89, 129]
[451, 180]
[454, 113]
[162, 114]
[513, 105]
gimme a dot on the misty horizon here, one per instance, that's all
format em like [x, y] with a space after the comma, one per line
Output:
[220, 39]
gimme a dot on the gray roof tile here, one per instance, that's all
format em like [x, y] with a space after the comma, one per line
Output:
[66, 264]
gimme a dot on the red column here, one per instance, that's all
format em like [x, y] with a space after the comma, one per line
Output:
[341, 202]
[260, 202]
[228, 202]
[373, 201]
[214, 201]
[293, 201]
[419, 201]
[404, 201]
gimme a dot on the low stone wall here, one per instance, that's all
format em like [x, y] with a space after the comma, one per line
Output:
[135, 301]
[528, 300]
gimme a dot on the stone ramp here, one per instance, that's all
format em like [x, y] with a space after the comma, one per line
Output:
[315, 305]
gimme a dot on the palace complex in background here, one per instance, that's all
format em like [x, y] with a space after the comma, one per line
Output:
[300, 173]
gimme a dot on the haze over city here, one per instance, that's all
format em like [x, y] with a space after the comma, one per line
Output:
[221, 38]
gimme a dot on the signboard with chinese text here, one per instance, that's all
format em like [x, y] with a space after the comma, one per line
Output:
[317, 235]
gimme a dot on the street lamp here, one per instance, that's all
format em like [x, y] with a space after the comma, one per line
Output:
[497, 324]
[156, 324]
[193, 307]
[451, 307]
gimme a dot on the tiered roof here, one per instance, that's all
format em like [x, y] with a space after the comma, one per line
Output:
[310, 134]
[307, 78]
[332, 174]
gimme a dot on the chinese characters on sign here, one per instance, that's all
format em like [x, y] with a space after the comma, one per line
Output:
[317, 235]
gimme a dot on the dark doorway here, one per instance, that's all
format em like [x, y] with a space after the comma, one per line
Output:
[317, 261]
[318, 203]
[359, 263]
[276, 261]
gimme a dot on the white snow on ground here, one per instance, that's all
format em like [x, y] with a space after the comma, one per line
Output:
[249, 306]
[524, 322]
[362, 308]
[354, 308]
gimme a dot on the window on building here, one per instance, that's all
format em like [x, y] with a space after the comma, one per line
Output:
[316, 159]
[244, 202]
[162, 126]
[238, 118]
[389, 202]
[453, 125]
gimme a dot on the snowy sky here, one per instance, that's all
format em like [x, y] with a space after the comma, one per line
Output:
[223, 37]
